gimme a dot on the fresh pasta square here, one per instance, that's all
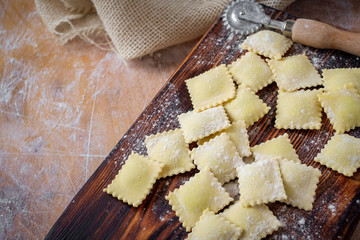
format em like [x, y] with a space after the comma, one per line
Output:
[197, 125]
[340, 77]
[238, 135]
[220, 156]
[342, 107]
[211, 88]
[267, 43]
[212, 226]
[201, 192]
[135, 179]
[260, 182]
[298, 110]
[300, 182]
[170, 148]
[246, 106]
[341, 154]
[294, 72]
[256, 222]
[279, 147]
[252, 71]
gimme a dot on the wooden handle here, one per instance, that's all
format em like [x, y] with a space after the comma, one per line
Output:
[321, 35]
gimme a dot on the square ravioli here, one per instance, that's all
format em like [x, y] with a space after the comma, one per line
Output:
[211, 88]
[279, 147]
[298, 110]
[170, 148]
[300, 182]
[238, 135]
[260, 182]
[246, 106]
[199, 125]
[135, 179]
[342, 107]
[252, 71]
[214, 227]
[340, 77]
[267, 43]
[341, 154]
[256, 222]
[294, 72]
[201, 192]
[220, 156]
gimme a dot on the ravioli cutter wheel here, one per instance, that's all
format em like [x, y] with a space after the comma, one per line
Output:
[245, 17]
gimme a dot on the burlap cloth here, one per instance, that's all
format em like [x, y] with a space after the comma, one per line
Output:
[134, 28]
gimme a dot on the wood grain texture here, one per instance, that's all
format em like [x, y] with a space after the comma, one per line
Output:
[95, 214]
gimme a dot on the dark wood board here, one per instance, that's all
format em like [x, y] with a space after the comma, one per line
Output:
[97, 215]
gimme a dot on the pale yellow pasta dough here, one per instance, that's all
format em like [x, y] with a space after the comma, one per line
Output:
[342, 154]
[214, 227]
[211, 88]
[279, 147]
[199, 125]
[340, 77]
[298, 110]
[135, 179]
[252, 71]
[170, 148]
[246, 106]
[267, 43]
[260, 182]
[220, 156]
[342, 107]
[300, 183]
[294, 72]
[238, 135]
[256, 222]
[201, 192]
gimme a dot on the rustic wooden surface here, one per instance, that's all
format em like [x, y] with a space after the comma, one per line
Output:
[95, 214]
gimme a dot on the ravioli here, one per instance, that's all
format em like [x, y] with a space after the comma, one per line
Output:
[342, 107]
[256, 222]
[170, 148]
[260, 182]
[246, 106]
[279, 147]
[220, 156]
[294, 72]
[298, 110]
[214, 227]
[135, 179]
[211, 88]
[341, 154]
[252, 71]
[201, 192]
[340, 77]
[300, 182]
[199, 125]
[267, 43]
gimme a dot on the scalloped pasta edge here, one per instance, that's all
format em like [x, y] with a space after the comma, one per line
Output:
[227, 177]
[227, 124]
[307, 206]
[238, 230]
[338, 129]
[307, 126]
[215, 103]
[271, 63]
[148, 189]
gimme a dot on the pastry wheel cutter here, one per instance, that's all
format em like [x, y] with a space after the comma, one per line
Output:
[245, 17]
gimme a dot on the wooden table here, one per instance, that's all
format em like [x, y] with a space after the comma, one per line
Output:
[63, 108]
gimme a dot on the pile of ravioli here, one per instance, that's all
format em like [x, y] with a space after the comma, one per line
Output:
[268, 172]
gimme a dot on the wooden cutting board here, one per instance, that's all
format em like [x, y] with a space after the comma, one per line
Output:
[97, 215]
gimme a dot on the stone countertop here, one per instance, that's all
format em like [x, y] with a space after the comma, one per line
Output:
[63, 108]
